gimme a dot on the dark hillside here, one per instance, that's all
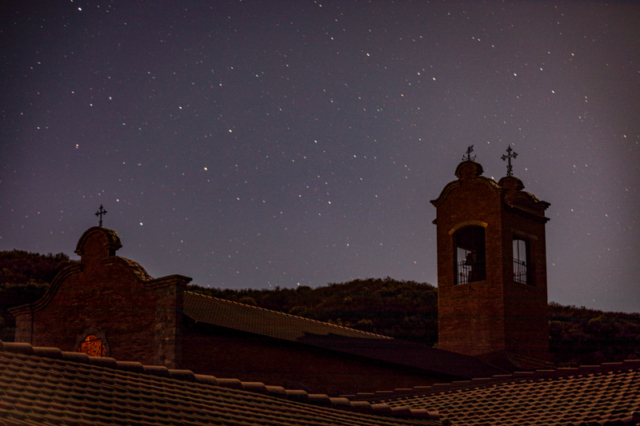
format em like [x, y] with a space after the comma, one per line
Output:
[587, 336]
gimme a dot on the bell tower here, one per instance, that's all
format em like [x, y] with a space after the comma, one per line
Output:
[492, 272]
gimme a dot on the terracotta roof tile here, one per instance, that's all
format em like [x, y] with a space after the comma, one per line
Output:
[605, 394]
[44, 385]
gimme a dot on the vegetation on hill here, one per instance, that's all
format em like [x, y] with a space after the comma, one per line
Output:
[401, 309]
[579, 336]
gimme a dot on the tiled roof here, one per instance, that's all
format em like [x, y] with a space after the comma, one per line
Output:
[253, 319]
[608, 394]
[401, 352]
[45, 385]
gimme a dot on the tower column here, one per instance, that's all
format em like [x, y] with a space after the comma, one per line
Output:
[492, 289]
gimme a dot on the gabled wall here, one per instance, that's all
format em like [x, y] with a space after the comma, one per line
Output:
[138, 317]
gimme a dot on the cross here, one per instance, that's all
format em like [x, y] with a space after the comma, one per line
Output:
[469, 157]
[509, 157]
[100, 213]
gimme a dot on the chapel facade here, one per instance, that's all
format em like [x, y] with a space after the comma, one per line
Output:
[107, 306]
[492, 274]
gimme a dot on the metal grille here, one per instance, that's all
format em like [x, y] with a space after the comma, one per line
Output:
[469, 272]
[520, 271]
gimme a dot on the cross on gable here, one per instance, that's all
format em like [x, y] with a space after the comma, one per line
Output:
[468, 156]
[101, 212]
[508, 157]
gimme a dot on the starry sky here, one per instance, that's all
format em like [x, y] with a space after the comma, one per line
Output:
[255, 144]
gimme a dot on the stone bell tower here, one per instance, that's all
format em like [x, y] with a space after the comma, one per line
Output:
[492, 272]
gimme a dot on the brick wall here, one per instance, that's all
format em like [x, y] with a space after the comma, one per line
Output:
[110, 295]
[526, 305]
[495, 314]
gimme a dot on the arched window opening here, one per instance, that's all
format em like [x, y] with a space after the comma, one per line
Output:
[521, 264]
[92, 345]
[470, 254]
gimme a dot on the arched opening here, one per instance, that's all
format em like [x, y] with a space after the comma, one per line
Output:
[469, 254]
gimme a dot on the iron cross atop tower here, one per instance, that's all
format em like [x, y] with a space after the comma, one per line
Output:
[101, 212]
[508, 157]
[468, 156]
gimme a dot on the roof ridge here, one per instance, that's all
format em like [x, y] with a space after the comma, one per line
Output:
[537, 375]
[341, 403]
[290, 315]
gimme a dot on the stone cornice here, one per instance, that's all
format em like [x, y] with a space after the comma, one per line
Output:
[457, 183]
[179, 280]
[531, 214]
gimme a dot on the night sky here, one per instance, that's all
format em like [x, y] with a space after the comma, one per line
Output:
[255, 144]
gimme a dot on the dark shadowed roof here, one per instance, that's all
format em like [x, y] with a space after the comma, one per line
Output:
[590, 395]
[252, 319]
[45, 385]
[408, 354]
